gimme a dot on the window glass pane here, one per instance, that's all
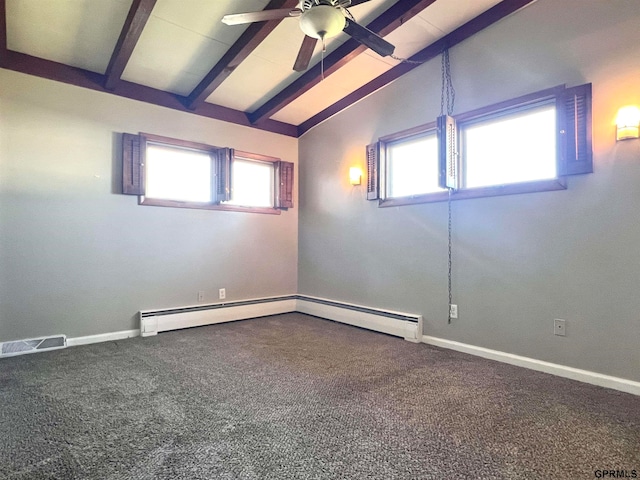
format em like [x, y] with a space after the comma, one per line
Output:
[512, 149]
[252, 183]
[412, 166]
[177, 174]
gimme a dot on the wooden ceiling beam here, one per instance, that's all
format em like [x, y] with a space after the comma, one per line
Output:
[134, 24]
[392, 18]
[3, 32]
[237, 53]
[79, 77]
[479, 23]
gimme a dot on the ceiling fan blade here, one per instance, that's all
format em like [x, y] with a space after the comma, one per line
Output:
[261, 16]
[357, 2]
[305, 53]
[368, 38]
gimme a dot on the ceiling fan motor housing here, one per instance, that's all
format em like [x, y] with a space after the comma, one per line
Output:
[322, 20]
[307, 4]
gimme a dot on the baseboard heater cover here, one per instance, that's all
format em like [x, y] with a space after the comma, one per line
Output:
[154, 321]
[400, 324]
[32, 345]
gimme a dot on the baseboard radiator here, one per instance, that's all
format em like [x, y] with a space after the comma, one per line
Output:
[400, 324]
[407, 326]
[155, 321]
[32, 345]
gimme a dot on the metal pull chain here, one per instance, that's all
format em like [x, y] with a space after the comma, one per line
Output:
[448, 93]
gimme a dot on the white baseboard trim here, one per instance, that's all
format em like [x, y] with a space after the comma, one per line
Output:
[102, 337]
[586, 376]
[400, 324]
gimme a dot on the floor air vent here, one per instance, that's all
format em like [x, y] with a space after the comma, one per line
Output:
[32, 345]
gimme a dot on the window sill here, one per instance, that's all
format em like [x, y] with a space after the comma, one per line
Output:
[467, 193]
[154, 202]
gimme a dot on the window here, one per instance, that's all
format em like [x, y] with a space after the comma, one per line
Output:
[528, 144]
[175, 173]
[178, 174]
[513, 148]
[403, 166]
[252, 183]
[412, 166]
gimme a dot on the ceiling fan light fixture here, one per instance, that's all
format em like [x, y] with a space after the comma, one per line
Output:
[322, 21]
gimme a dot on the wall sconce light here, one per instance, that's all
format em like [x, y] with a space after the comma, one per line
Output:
[355, 176]
[628, 123]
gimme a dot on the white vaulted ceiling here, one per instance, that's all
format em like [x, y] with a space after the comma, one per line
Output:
[183, 40]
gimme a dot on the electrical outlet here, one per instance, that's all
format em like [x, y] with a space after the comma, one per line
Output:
[559, 327]
[453, 310]
[201, 296]
[222, 293]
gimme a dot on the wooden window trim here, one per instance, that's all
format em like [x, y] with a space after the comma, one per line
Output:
[377, 190]
[480, 192]
[175, 142]
[509, 106]
[574, 119]
[409, 132]
[134, 174]
[557, 94]
[284, 176]
[132, 165]
[154, 202]
[255, 156]
[373, 170]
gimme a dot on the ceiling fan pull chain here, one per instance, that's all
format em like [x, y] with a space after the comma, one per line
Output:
[406, 60]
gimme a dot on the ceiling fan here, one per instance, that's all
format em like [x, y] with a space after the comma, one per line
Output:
[319, 20]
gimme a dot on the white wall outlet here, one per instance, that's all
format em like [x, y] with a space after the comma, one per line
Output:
[453, 310]
[559, 327]
[201, 296]
[222, 293]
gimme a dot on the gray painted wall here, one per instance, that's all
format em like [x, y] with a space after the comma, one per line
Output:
[519, 261]
[77, 258]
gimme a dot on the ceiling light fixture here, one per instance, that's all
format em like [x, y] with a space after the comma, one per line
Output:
[322, 21]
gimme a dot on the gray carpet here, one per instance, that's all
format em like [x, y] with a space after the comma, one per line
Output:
[293, 396]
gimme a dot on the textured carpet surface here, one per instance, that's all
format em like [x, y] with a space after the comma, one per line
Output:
[293, 396]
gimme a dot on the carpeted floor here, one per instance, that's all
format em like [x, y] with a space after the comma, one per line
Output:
[296, 397]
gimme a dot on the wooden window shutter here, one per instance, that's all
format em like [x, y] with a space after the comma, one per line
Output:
[132, 165]
[284, 178]
[575, 131]
[222, 187]
[447, 152]
[373, 171]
